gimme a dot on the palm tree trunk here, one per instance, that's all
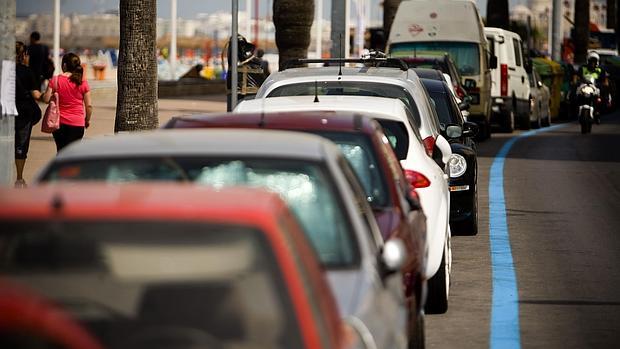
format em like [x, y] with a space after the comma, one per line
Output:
[582, 30]
[293, 21]
[497, 14]
[137, 67]
[389, 12]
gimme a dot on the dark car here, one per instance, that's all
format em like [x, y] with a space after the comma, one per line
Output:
[443, 63]
[362, 141]
[463, 163]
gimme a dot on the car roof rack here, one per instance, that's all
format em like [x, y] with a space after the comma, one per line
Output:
[376, 61]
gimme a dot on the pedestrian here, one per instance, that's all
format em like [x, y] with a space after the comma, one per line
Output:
[74, 101]
[40, 59]
[28, 113]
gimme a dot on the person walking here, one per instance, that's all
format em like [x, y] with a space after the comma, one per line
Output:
[39, 59]
[28, 112]
[74, 101]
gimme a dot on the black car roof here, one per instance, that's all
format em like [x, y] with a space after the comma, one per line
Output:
[433, 85]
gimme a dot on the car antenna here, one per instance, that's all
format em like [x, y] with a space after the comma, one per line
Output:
[316, 92]
[340, 62]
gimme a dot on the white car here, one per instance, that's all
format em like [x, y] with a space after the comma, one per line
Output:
[431, 182]
[391, 82]
[540, 101]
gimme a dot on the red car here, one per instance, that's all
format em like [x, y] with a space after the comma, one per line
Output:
[394, 202]
[170, 265]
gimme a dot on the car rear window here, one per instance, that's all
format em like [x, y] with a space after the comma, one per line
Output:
[396, 133]
[465, 55]
[350, 88]
[148, 284]
[442, 106]
[306, 186]
[359, 152]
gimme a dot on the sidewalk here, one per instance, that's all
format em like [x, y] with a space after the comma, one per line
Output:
[43, 149]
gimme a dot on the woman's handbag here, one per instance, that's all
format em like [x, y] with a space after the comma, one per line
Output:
[51, 119]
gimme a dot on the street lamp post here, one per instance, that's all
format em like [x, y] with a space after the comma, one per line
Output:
[234, 47]
[57, 36]
[173, 40]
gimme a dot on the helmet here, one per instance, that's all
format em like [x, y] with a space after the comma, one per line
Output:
[593, 55]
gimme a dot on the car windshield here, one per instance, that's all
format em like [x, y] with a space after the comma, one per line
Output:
[466, 55]
[396, 133]
[304, 185]
[350, 88]
[155, 284]
[359, 152]
[442, 106]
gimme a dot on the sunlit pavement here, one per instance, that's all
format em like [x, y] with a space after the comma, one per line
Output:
[562, 192]
[42, 147]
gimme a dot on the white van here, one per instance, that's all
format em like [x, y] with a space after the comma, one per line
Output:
[452, 26]
[510, 85]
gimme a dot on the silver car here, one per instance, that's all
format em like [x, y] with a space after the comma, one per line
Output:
[401, 83]
[310, 173]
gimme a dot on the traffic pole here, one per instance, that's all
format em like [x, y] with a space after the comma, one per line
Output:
[556, 48]
[57, 67]
[7, 91]
[173, 40]
[234, 48]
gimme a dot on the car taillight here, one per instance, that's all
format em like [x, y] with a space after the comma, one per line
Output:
[416, 179]
[429, 145]
[504, 79]
[459, 91]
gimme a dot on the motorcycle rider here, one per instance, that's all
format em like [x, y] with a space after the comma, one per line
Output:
[592, 71]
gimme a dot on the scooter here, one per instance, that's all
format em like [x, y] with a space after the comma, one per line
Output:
[588, 97]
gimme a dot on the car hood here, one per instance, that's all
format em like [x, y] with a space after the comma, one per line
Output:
[345, 285]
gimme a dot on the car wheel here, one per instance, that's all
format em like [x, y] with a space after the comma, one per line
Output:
[547, 121]
[509, 122]
[417, 339]
[438, 288]
[525, 123]
[470, 225]
[536, 124]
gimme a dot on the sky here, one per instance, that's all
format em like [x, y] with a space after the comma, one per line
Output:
[186, 8]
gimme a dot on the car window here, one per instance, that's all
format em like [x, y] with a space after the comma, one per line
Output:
[361, 155]
[517, 48]
[442, 106]
[137, 284]
[366, 215]
[397, 135]
[305, 186]
[350, 88]
[466, 55]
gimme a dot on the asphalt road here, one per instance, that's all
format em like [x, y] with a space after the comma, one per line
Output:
[562, 195]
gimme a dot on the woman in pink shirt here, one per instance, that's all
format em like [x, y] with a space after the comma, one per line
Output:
[73, 101]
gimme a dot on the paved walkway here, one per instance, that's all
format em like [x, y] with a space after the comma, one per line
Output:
[43, 149]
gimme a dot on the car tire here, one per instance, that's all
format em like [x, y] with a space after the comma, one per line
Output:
[525, 123]
[509, 122]
[437, 301]
[537, 124]
[547, 121]
[417, 339]
[469, 226]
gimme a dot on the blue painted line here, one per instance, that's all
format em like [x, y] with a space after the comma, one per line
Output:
[505, 333]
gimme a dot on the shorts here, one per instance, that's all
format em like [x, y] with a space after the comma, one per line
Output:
[23, 129]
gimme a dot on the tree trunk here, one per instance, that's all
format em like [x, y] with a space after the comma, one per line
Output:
[497, 14]
[582, 30]
[389, 12]
[293, 21]
[137, 67]
[611, 14]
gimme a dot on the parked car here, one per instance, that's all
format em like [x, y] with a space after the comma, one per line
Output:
[311, 174]
[510, 90]
[372, 80]
[170, 265]
[464, 162]
[540, 102]
[424, 175]
[395, 204]
[439, 61]
[431, 25]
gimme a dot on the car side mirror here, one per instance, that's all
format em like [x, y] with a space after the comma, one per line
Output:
[469, 84]
[493, 62]
[464, 105]
[470, 129]
[540, 84]
[454, 131]
[393, 257]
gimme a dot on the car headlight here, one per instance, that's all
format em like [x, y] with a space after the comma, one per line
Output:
[458, 165]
